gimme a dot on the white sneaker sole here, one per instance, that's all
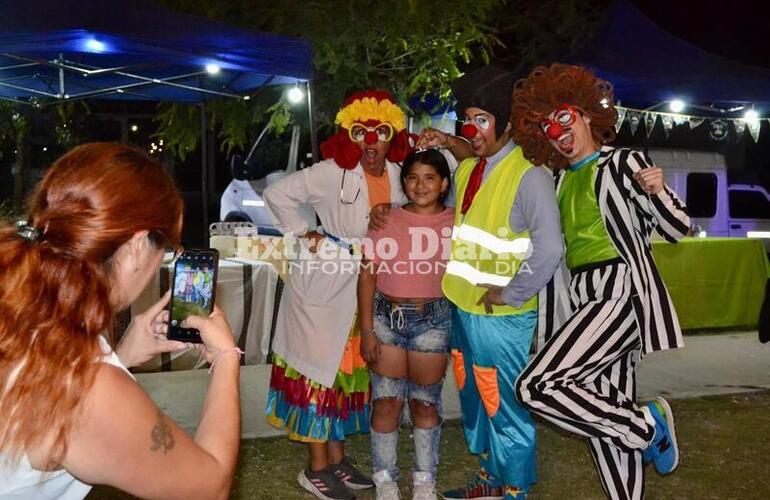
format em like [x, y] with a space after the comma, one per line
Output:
[357, 487]
[671, 429]
[310, 487]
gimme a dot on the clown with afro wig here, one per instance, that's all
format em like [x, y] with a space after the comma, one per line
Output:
[319, 385]
[606, 306]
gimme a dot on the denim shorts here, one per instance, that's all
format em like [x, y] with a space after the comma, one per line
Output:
[423, 327]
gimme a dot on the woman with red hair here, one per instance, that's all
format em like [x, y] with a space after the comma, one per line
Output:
[71, 414]
[319, 387]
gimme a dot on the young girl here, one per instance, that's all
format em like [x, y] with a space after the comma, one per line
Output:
[406, 323]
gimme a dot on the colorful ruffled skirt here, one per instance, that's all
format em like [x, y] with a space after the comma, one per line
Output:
[313, 413]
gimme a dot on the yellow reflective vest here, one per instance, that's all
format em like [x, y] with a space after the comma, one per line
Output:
[485, 250]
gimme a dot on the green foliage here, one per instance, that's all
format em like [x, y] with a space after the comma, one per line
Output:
[70, 118]
[233, 120]
[6, 211]
[410, 47]
[179, 125]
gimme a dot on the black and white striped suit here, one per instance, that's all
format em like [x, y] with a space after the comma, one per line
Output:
[596, 324]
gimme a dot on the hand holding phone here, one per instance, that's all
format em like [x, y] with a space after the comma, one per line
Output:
[194, 288]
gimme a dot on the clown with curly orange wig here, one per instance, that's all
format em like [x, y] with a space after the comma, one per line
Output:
[319, 386]
[615, 308]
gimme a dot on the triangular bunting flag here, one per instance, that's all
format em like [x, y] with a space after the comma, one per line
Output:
[634, 119]
[681, 120]
[753, 127]
[649, 122]
[621, 117]
[668, 124]
[719, 130]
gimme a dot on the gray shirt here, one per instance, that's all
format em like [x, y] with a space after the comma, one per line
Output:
[535, 209]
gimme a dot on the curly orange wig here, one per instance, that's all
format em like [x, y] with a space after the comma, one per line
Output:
[536, 96]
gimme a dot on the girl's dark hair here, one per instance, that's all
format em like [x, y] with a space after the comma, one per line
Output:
[432, 157]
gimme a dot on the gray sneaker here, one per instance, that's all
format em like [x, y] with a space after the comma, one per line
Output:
[324, 484]
[351, 476]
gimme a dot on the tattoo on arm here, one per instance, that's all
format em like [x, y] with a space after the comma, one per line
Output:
[161, 435]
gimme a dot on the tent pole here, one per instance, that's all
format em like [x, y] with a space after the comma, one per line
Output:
[204, 177]
[313, 132]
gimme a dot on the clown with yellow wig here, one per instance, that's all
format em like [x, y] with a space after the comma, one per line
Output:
[319, 386]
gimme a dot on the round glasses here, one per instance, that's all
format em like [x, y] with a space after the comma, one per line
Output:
[563, 116]
[359, 131]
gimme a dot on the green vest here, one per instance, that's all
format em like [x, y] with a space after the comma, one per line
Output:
[485, 250]
[583, 225]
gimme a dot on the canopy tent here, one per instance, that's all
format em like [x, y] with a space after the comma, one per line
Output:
[52, 50]
[55, 51]
[648, 65]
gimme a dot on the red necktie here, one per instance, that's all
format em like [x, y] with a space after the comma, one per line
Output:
[473, 185]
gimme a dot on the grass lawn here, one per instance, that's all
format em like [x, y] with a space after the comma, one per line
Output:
[724, 443]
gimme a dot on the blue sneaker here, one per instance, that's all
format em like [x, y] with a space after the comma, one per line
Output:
[663, 451]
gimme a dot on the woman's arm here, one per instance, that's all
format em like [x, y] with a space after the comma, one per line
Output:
[121, 438]
[283, 199]
[367, 284]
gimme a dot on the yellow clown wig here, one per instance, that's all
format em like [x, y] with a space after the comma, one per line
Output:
[369, 108]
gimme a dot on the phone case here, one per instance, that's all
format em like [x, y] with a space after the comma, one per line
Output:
[193, 291]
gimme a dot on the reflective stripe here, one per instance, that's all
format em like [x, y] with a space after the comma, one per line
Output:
[473, 275]
[490, 241]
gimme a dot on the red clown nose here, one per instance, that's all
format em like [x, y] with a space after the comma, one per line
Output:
[469, 131]
[554, 131]
[371, 138]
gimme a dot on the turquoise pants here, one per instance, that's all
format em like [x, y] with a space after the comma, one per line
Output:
[489, 353]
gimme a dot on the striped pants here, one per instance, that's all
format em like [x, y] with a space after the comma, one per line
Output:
[583, 379]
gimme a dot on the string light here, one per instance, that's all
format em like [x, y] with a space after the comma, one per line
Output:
[295, 95]
[677, 105]
[751, 116]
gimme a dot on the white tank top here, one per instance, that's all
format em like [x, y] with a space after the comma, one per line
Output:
[23, 482]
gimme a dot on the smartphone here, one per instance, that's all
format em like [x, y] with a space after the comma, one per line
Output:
[194, 287]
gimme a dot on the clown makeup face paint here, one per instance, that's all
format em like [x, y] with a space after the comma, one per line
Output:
[373, 157]
[569, 132]
[479, 129]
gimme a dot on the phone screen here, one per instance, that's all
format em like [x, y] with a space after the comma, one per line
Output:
[195, 273]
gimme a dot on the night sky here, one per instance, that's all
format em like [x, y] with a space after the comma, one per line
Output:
[736, 29]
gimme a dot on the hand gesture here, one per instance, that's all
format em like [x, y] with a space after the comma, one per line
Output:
[215, 332]
[145, 337]
[493, 296]
[432, 138]
[378, 217]
[370, 348]
[650, 179]
[314, 240]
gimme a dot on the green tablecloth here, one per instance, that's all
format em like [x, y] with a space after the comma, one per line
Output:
[714, 282]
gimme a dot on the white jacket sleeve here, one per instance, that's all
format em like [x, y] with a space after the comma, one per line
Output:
[284, 198]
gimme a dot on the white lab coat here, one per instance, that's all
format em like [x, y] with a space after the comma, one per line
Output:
[319, 300]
